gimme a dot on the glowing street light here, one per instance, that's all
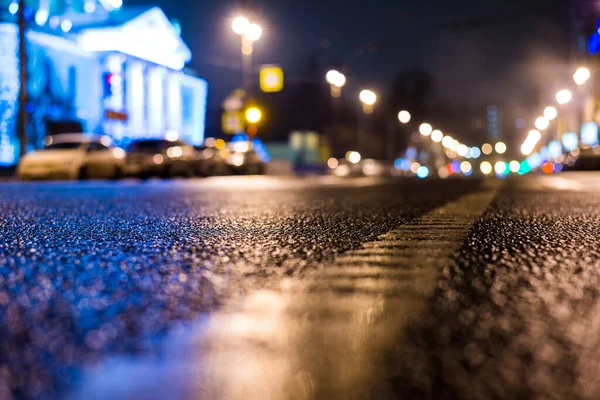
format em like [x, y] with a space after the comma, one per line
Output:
[437, 136]
[542, 123]
[564, 96]
[425, 129]
[550, 113]
[404, 117]
[500, 148]
[336, 81]
[353, 156]
[249, 34]
[581, 76]
[368, 99]
[240, 24]
[253, 115]
[486, 168]
[447, 141]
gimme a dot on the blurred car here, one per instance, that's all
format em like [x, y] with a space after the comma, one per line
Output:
[242, 159]
[342, 167]
[159, 157]
[73, 156]
[209, 161]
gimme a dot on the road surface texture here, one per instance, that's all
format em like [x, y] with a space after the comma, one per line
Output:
[252, 288]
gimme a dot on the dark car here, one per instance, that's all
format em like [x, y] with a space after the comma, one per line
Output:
[159, 157]
[209, 161]
[242, 159]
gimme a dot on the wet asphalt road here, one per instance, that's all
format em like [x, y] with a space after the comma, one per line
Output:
[96, 271]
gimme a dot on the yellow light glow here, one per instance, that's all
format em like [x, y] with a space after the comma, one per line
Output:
[550, 113]
[437, 136]
[486, 168]
[500, 167]
[333, 163]
[542, 123]
[253, 32]
[462, 150]
[447, 141]
[253, 115]
[487, 149]
[581, 76]
[353, 157]
[564, 96]
[425, 129]
[175, 151]
[404, 117]
[368, 97]
[220, 144]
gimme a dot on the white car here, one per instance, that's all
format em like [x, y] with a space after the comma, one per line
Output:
[73, 156]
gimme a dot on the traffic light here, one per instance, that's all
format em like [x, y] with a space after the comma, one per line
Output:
[107, 79]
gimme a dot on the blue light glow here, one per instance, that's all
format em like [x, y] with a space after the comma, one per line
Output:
[475, 152]
[570, 141]
[535, 160]
[589, 133]
[422, 172]
[9, 87]
[66, 25]
[555, 149]
[41, 17]
[455, 167]
[411, 153]
[558, 167]
[13, 8]
[261, 150]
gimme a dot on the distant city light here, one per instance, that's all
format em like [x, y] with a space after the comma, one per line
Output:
[462, 150]
[486, 168]
[41, 16]
[487, 149]
[422, 172]
[404, 117]
[500, 148]
[500, 167]
[414, 167]
[475, 152]
[54, 21]
[555, 149]
[570, 141]
[332, 163]
[564, 96]
[447, 141]
[89, 6]
[581, 76]
[454, 145]
[542, 123]
[466, 167]
[550, 113]
[115, 3]
[443, 172]
[335, 78]
[240, 24]
[353, 156]
[437, 136]
[220, 144]
[425, 129]
[514, 166]
[66, 25]
[13, 8]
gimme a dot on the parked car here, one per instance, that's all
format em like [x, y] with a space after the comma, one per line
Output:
[209, 161]
[159, 157]
[73, 156]
[242, 159]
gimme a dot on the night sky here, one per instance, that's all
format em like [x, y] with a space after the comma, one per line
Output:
[521, 44]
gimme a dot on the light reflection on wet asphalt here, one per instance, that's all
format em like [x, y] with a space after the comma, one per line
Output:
[96, 271]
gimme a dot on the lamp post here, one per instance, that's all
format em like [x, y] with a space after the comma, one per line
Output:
[249, 33]
[336, 81]
[368, 99]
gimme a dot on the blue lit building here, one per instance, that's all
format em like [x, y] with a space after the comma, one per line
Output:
[120, 71]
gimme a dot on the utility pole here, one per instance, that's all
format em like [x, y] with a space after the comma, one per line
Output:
[22, 120]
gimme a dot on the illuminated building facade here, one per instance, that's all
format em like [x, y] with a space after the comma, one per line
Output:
[118, 70]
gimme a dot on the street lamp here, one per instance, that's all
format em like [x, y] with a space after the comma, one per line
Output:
[550, 113]
[581, 76]
[425, 129]
[500, 148]
[249, 34]
[564, 96]
[336, 81]
[404, 117]
[542, 123]
[368, 99]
